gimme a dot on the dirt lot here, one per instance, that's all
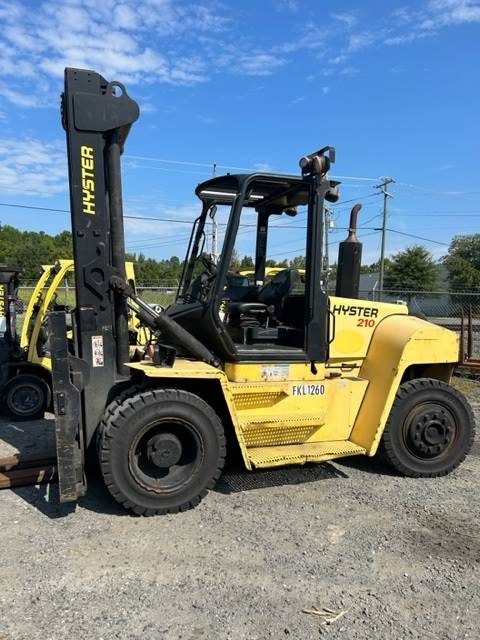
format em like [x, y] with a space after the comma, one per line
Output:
[400, 557]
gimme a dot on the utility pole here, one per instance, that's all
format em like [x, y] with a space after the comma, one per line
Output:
[386, 195]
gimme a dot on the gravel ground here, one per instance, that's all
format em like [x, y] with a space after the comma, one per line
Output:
[400, 556]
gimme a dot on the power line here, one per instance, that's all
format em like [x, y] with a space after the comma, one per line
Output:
[193, 173]
[439, 214]
[364, 223]
[438, 193]
[25, 206]
[358, 199]
[411, 235]
[192, 163]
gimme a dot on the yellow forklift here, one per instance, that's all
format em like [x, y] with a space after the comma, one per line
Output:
[25, 387]
[283, 372]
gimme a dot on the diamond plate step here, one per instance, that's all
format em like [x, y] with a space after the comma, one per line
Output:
[301, 453]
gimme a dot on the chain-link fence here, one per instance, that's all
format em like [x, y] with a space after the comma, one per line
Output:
[433, 304]
[439, 306]
[161, 294]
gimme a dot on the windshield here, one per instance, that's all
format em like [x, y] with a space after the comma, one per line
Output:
[267, 195]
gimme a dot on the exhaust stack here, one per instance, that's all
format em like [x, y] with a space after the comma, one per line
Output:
[349, 260]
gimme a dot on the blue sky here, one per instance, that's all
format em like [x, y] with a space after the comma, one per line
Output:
[393, 85]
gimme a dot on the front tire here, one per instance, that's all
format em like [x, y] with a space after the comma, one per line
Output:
[430, 429]
[160, 451]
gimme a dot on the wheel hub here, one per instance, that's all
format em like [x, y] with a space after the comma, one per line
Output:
[25, 399]
[164, 450]
[432, 431]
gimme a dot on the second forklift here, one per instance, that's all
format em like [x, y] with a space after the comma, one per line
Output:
[25, 363]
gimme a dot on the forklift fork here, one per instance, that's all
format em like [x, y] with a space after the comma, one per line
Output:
[66, 400]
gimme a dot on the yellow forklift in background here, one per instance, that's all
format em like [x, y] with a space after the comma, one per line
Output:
[25, 390]
[281, 371]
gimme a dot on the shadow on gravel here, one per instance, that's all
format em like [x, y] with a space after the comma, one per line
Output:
[46, 499]
[37, 439]
[366, 464]
[236, 479]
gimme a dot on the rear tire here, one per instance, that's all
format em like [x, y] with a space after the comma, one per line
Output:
[430, 429]
[26, 397]
[160, 451]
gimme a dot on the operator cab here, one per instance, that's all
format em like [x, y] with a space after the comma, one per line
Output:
[248, 318]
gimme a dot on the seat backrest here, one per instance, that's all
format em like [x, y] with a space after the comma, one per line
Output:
[274, 291]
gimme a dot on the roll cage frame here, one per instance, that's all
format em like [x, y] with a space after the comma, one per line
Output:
[269, 194]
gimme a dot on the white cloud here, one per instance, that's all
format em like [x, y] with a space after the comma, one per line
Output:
[18, 98]
[111, 37]
[207, 120]
[340, 59]
[325, 90]
[451, 12]
[362, 40]
[347, 19]
[433, 16]
[32, 166]
[259, 63]
[311, 37]
[263, 167]
[183, 43]
[286, 5]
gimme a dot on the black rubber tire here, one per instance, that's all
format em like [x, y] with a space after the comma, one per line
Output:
[34, 384]
[127, 392]
[123, 423]
[410, 398]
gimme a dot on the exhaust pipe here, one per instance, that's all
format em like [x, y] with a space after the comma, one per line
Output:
[349, 260]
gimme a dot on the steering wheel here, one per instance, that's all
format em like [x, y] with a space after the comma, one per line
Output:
[200, 287]
[209, 265]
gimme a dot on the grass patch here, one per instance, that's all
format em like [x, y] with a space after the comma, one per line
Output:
[468, 386]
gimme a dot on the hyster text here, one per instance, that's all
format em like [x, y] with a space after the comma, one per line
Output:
[88, 179]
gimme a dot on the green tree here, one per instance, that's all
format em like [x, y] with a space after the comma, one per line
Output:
[463, 263]
[374, 267]
[234, 262]
[247, 263]
[298, 262]
[413, 269]
[30, 249]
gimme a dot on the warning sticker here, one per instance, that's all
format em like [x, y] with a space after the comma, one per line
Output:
[97, 351]
[276, 371]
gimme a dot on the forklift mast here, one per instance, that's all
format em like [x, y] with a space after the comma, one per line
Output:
[8, 331]
[97, 116]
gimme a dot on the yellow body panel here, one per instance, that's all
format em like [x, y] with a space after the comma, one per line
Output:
[398, 343]
[355, 323]
[292, 413]
[65, 267]
[194, 370]
[46, 268]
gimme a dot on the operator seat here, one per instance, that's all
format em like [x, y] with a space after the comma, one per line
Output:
[268, 303]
